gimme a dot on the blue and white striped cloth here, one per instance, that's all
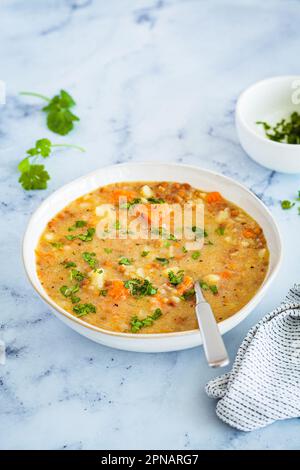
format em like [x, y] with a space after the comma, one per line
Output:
[264, 383]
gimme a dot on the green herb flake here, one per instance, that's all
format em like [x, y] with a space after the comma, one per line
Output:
[199, 232]
[124, 261]
[77, 275]
[57, 245]
[136, 324]
[220, 230]
[90, 259]
[188, 294]
[139, 288]
[155, 200]
[213, 288]
[84, 309]
[108, 250]
[69, 292]
[85, 237]
[78, 224]
[145, 253]
[103, 292]
[196, 255]
[287, 204]
[69, 264]
[163, 261]
[177, 278]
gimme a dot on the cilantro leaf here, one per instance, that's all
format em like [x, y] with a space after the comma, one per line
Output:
[59, 117]
[42, 147]
[35, 177]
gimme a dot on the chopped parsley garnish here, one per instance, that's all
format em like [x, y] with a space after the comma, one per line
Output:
[108, 250]
[139, 288]
[155, 200]
[78, 224]
[84, 309]
[70, 292]
[145, 253]
[177, 278]
[286, 130]
[172, 237]
[184, 250]
[90, 258]
[137, 324]
[132, 203]
[77, 275]
[57, 244]
[213, 288]
[85, 237]
[196, 255]
[220, 230]
[125, 261]
[69, 264]
[163, 261]
[117, 225]
[188, 294]
[103, 292]
[59, 117]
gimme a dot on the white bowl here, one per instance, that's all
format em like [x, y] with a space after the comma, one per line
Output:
[269, 100]
[203, 179]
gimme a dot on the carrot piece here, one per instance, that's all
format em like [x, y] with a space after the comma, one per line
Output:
[249, 233]
[117, 290]
[214, 196]
[186, 285]
[121, 193]
[225, 274]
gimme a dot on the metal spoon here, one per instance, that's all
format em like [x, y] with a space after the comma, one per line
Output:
[213, 343]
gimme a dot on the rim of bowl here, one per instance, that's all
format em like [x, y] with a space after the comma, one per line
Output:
[244, 122]
[222, 325]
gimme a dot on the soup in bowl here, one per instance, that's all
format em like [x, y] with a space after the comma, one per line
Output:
[119, 260]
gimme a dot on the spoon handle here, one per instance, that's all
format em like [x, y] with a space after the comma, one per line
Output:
[213, 344]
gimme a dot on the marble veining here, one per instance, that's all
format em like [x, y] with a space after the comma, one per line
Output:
[154, 80]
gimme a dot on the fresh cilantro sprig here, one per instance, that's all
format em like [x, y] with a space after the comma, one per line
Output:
[60, 118]
[33, 175]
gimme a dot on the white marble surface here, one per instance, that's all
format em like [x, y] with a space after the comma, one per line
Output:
[154, 80]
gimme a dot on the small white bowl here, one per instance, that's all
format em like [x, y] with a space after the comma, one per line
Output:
[269, 100]
[197, 177]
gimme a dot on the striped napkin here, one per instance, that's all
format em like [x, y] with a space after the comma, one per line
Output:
[264, 383]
